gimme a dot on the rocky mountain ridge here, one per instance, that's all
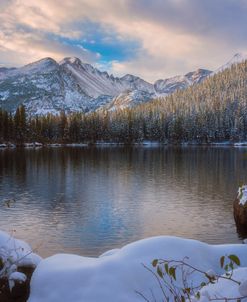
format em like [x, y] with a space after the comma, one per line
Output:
[47, 86]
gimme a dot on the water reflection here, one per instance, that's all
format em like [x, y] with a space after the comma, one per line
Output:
[88, 200]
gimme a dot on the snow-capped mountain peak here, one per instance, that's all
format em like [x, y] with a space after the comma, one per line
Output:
[70, 60]
[237, 58]
[39, 65]
[72, 85]
[172, 84]
[76, 62]
[198, 75]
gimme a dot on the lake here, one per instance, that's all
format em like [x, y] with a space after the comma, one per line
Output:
[87, 200]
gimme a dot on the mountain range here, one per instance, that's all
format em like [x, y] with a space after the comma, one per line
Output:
[47, 86]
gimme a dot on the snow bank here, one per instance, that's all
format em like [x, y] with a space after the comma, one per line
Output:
[18, 251]
[224, 288]
[119, 274]
[15, 253]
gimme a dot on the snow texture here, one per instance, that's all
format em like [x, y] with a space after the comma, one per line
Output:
[242, 195]
[225, 288]
[119, 274]
[15, 253]
[16, 277]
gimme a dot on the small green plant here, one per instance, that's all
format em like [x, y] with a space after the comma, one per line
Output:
[168, 272]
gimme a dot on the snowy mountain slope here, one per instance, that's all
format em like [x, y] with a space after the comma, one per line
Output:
[128, 99]
[43, 87]
[4, 71]
[47, 86]
[96, 83]
[136, 83]
[71, 85]
[38, 81]
[167, 86]
[170, 85]
[237, 58]
[160, 88]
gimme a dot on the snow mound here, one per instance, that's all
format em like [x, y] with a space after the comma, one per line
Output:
[17, 251]
[120, 275]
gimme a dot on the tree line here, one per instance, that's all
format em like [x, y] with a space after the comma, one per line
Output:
[212, 111]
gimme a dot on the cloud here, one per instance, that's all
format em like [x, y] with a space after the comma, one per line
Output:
[157, 38]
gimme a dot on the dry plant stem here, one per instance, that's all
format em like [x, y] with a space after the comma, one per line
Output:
[180, 262]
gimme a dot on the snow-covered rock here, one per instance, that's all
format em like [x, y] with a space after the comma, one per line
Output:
[120, 275]
[240, 209]
[16, 277]
[16, 252]
[242, 195]
[15, 255]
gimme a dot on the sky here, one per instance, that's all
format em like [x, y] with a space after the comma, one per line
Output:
[153, 39]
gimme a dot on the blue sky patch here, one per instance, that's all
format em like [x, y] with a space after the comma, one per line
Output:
[104, 41]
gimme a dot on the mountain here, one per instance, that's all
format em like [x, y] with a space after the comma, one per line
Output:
[96, 83]
[237, 58]
[160, 88]
[4, 70]
[129, 99]
[47, 86]
[170, 85]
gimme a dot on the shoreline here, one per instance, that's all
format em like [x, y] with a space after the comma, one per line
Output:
[37, 145]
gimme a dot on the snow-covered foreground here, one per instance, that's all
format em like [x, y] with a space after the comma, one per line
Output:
[118, 275]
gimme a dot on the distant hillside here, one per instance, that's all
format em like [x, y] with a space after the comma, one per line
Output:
[215, 109]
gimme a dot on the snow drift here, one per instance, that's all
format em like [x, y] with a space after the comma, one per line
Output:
[14, 254]
[119, 275]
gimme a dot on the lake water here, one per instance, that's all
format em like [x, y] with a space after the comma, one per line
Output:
[87, 200]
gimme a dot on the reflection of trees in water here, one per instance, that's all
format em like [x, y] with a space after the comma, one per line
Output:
[242, 232]
[13, 163]
[82, 186]
[200, 167]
